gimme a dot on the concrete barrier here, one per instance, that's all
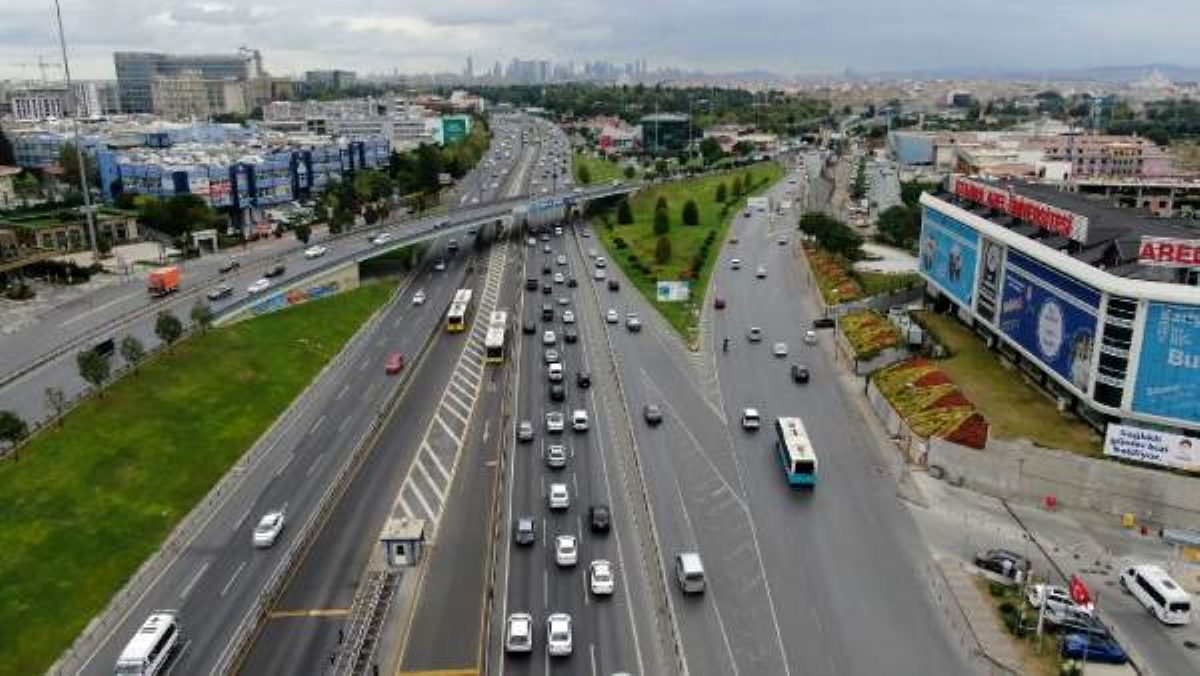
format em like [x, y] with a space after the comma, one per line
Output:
[1020, 471]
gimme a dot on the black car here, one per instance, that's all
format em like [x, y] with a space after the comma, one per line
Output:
[557, 392]
[572, 282]
[524, 531]
[531, 284]
[1002, 562]
[799, 373]
[614, 285]
[599, 518]
[547, 312]
[824, 323]
[105, 348]
[583, 379]
[570, 335]
[219, 292]
[546, 288]
[275, 271]
[528, 325]
[652, 414]
[546, 269]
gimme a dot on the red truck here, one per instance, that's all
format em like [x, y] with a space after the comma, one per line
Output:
[163, 281]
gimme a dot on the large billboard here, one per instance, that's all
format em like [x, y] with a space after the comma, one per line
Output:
[1169, 252]
[455, 128]
[1168, 371]
[1152, 446]
[1047, 217]
[1050, 315]
[948, 254]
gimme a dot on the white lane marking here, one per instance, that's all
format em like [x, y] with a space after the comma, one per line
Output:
[437, 490]
[342, 392]
[245, 515]
[451, 404]
[396, 324]
[449, 432]
[344, 424]
[365, 363]
[187, 588]
[429, 513]
[316, 426]
[316, 463]
[233, 578]
[99, 308]
[592, 649]
[437, 462]
[285, 464]
[546, 588]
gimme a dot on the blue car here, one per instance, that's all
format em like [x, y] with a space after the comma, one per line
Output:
[1093, 648]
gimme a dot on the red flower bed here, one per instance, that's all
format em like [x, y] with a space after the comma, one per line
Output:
[973, 432]
[933, 378]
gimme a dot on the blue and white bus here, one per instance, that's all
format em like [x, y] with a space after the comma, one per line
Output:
[795, 452]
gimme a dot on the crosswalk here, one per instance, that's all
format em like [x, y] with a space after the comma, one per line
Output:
[423, 493]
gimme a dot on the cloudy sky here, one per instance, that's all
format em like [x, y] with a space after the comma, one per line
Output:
[787, 36]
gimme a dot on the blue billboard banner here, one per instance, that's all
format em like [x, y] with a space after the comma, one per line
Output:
[1052, 316]
[948, 254]
[1168, 372]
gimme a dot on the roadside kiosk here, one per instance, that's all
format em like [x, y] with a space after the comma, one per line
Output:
[403, 541]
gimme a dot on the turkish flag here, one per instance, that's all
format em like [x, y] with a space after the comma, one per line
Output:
[1079, 592]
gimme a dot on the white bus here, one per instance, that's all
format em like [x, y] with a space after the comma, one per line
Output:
[150, 649]
[493, 342]
[1161, 595]
[456, 317]
[795, 452]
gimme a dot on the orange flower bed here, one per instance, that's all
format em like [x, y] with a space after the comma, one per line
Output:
[931, 404]
[868, 332]
[833, 276]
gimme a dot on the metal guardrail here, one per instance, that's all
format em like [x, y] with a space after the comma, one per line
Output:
[367, 613]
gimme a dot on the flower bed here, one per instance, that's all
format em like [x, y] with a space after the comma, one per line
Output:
[931, 404]
[836, 282]
[868, 332]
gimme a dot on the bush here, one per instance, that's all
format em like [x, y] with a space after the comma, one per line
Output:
[996, 589]
[691, 213]
[722, 193]
[662, 221]
[662, 250]
[619, 242]
[624, 213]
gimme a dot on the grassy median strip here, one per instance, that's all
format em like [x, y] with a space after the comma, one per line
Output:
[88, 502]
[1013, 407]
[634, 245]
[596, 169]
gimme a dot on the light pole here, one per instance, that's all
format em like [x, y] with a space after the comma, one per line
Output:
[83, 182]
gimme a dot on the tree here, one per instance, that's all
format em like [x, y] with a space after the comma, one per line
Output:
[340, 220]
[69, 164]
[624, 213]
[743, 148]
[132, 350]
[662, 250]
[630, 172]
[660, 167]
[12, 428]
[661, 203]
[56, 401]
[662, 221]
[832, 235]
[691, 213]
[900, 226]
[722, 193]
[104, 243]
[303, 232]
[167, 327]
[202, 315]
[738, 188]
[94, 367]
[710, 150]
[7, 157]
[585, 174]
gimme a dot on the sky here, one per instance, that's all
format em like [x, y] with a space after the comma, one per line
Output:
[804, 37]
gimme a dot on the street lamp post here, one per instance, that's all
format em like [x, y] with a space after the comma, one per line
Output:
[71, 98]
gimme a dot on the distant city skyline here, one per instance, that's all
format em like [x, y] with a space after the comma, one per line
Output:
[789, 38]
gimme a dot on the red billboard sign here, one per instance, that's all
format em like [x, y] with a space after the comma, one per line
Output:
[1046, 217]
[1169, 252]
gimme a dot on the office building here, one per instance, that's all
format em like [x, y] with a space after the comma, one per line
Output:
[136, 72]
[665, 133]
[329, 79]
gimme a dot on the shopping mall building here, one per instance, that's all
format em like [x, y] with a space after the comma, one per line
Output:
[1099, 305]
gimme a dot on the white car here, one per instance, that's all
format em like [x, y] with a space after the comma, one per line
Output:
[566, 550]
[754, 334]
[419, 297]
[780, 349]
[531, 241]
[559, 498]
[548, 338]
[612, 317]
[810, 337]
[440, 265]
[735, 264]
[315, 251]
[268, 529]
[555, 421]
[600, 262]
[551, 356]
[554, 372]
[558, 635]
[601, 578]
[561, 259]
[761, 273]
[1057, 600]
[599, 274]
[259, 286]
[751, 420]
[556, 456]
[381, 238]
[579, 420]
[568, 317]
[518, 633]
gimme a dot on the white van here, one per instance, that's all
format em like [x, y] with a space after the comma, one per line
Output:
[1161, 595]
[689, 571]
[150, 649]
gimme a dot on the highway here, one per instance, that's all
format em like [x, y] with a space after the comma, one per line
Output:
[820, 583]
[610, 635]
[214, 579]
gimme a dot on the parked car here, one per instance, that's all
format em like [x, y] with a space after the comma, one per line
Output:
[1093, 648]
[1003, 562]
[268, 529]
[1055, 600]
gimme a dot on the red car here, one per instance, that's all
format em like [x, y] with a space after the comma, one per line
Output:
[395, 364]
[719, 303]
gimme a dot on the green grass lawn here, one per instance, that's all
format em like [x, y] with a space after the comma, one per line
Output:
[87, 503]
[1013, 407]
[875, 283]
[599, 169]
[686, 240]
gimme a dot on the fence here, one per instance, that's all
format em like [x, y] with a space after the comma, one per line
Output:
[955, 618]
[914, 446]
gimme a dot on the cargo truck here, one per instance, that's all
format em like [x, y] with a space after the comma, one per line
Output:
[163, 281]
